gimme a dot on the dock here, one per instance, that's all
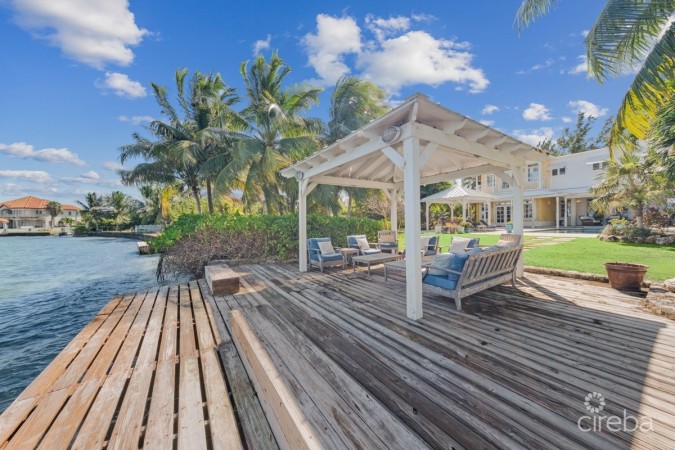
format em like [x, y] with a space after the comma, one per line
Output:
[329, 360]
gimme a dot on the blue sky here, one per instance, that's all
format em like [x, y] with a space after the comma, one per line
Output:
[75, 74]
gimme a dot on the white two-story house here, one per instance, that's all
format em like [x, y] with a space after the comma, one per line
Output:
[31, 212]
[556, 192]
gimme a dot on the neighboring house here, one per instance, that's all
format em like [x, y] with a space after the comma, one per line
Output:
[31, 212]
[554, 191]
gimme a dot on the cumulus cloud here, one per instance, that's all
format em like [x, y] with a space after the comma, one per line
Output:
[37, 176]
[580, 68]
[94, 32]
[334, 38]
[51, 155]
[588, 108]
[121, 85]
[534, 137]
[536, 111]
[567, 119]
[261, 44]
[397, 57]
[135, 120]
[489, 109]
[112, 166]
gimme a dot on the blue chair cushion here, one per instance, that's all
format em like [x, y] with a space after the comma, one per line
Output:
[441, 282]
[472, 243]
[314, 245]
[388, 245]
[431, 248]
[443, 261]
[372, 251]
[333, 257]
[351, 240]
[492, 247]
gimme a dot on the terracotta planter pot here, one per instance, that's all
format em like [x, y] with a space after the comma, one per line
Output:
[626, 276]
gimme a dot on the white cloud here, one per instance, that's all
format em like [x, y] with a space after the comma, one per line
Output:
[135, 120]
[425, 60]
[580, 68]
[536, 111]
[396, 58]
[112, 166]
[50, 155]
[37, 176]
[91, 175]
[533, 137]
[588, 108]
[584, 33]
[567, 119]
[334, 38]
[261, 45]
[488, 123]
[489, 109]
[94, 32]
[121, 85]
[91, 178]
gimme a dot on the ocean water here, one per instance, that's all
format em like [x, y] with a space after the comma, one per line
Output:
[50, 288]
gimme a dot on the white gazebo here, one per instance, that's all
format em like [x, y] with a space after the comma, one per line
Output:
[419, 142]
[458, 195]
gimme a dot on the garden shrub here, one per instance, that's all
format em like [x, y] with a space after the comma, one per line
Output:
[192, 241]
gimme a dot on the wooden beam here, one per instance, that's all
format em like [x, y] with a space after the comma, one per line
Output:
[353, 182]
[459, 173]
[453, 127]
[287, 420]
[475, 135]
[394, 157]
[429, 149]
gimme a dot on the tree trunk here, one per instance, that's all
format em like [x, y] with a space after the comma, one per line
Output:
[195, 194]
[209, 195]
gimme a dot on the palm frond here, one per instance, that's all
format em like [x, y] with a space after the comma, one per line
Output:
[530, 10]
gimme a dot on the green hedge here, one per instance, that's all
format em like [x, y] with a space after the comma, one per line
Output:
[191, 242]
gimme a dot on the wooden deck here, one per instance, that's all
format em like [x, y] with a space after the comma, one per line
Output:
[160, 370]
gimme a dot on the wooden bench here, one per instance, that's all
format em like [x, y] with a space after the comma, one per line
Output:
[481, 271]
[221, 279]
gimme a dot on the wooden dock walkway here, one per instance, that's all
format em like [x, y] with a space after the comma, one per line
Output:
[160, 369]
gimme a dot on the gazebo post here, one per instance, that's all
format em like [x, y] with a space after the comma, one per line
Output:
[393, 213]
[517, 211]
[427, 214]
[302, 225]
[413, 260]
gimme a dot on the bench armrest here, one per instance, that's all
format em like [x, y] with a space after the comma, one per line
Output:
[430, 266]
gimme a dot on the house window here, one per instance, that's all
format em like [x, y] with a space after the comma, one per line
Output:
[490, 180]
[561, 171]
[528, 209]
[554, 172]
[479, 182]
[532, 172]
[599, 165]
[505, 185]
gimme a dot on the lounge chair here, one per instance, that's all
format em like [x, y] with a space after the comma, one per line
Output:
[589, 221]
[387, 241]
[321, 253]
[485, 227]
[459, 244]
[360, 241]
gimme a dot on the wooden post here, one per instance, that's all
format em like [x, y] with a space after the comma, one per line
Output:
[427, 214]
[517, 211]
[393, 213]
[411, 192]
[302, 224]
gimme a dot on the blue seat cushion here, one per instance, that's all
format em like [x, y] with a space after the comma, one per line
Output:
[372, 251]
[351, 240]
[441, 282]
[443, 261]
[388, 245]
[314, 245]
[472, 243]
[492, 248]
[333, 257]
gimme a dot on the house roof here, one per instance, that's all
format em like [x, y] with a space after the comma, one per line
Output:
[451, 146]
[31, 202]
[538, 193]
[3, 220]
[458, 194]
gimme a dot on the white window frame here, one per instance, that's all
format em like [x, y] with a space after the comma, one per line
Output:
[528, 209]
[533, 173]
[490, 180]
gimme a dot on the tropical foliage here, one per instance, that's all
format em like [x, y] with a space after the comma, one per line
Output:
[54, 209]
[627, 35]
[578, 140]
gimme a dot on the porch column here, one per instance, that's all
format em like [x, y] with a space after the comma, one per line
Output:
[427, 214]
[413, 260]
[557, 212]
[304, 189]
[489, 213]
[517, 211]
[463, 211]
[393, 213]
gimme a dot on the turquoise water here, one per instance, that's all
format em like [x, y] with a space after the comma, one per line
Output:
[50, 288]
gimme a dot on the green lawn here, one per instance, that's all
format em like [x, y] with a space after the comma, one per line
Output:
[585, 254]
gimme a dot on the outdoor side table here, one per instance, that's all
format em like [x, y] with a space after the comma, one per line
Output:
[349, 253]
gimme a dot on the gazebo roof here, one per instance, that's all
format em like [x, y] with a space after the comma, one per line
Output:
[458, 194]
[451, 146]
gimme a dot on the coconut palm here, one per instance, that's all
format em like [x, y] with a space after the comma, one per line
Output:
[627, 34]
[184, 143]
[276, 136]
[91, 208]
[54, 209]
[662, 139]
[633, 181]
[119, 204]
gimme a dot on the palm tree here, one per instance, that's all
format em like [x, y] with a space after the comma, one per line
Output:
[91, 207]
[633, 181]
[120, 204]
[354, 103]
[662, 139]
[276, 136]
[54, 209]
[625, 34]
[184, 143]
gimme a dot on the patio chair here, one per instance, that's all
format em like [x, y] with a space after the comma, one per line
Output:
[509, 240]
[360, 241]
[460, 244]
[387, 241]
[487, 226]
[321, 253]
[586, 221]
[429, 246]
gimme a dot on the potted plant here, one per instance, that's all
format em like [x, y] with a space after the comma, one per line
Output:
[466, 225]
[509, 227]
[625, 276]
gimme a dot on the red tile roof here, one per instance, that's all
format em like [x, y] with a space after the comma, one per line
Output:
[31, 202]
